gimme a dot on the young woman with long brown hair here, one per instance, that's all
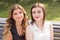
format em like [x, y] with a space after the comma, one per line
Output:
[39, 29]
[15, 24]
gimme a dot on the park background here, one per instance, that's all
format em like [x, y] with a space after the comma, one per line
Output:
[52, 8]
[52, 13]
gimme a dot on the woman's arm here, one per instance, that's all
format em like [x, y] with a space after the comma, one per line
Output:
[8, 36]
[29, 35]
[51, 32]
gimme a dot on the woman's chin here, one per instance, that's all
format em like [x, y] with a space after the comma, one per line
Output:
[38, 19]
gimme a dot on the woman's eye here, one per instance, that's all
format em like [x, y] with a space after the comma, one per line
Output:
[15, 14]
[33, 12]
[20, 12]
[39, 11]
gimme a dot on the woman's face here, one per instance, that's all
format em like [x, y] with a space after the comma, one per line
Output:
[18, 15]
[37, 14]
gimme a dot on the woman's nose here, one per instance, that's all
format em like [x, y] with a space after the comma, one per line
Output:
[36, 13]
[18, 15]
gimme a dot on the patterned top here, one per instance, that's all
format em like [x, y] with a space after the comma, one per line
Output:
[38, 34]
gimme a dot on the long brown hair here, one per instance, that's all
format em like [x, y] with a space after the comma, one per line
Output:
[43, 9]
[10, 21]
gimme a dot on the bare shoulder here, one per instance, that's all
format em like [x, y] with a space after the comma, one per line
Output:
[29, 26]
[48, 23]
[29, 33]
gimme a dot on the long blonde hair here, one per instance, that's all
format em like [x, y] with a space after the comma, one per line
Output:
[10, 21]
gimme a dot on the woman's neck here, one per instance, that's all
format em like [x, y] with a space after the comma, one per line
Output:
[39, 24]
[19, 28]
[18, 24]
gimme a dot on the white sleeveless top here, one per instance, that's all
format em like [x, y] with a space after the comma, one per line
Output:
[38, 34]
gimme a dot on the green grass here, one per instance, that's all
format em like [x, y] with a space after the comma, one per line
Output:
[52, 10]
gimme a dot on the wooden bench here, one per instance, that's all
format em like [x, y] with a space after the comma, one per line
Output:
[56, 28]
[2, 23]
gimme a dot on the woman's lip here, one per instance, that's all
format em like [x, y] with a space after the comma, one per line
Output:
[19, 17]
[36, 17]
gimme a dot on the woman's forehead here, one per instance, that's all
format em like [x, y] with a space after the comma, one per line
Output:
[17, 10]
[36, 8]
